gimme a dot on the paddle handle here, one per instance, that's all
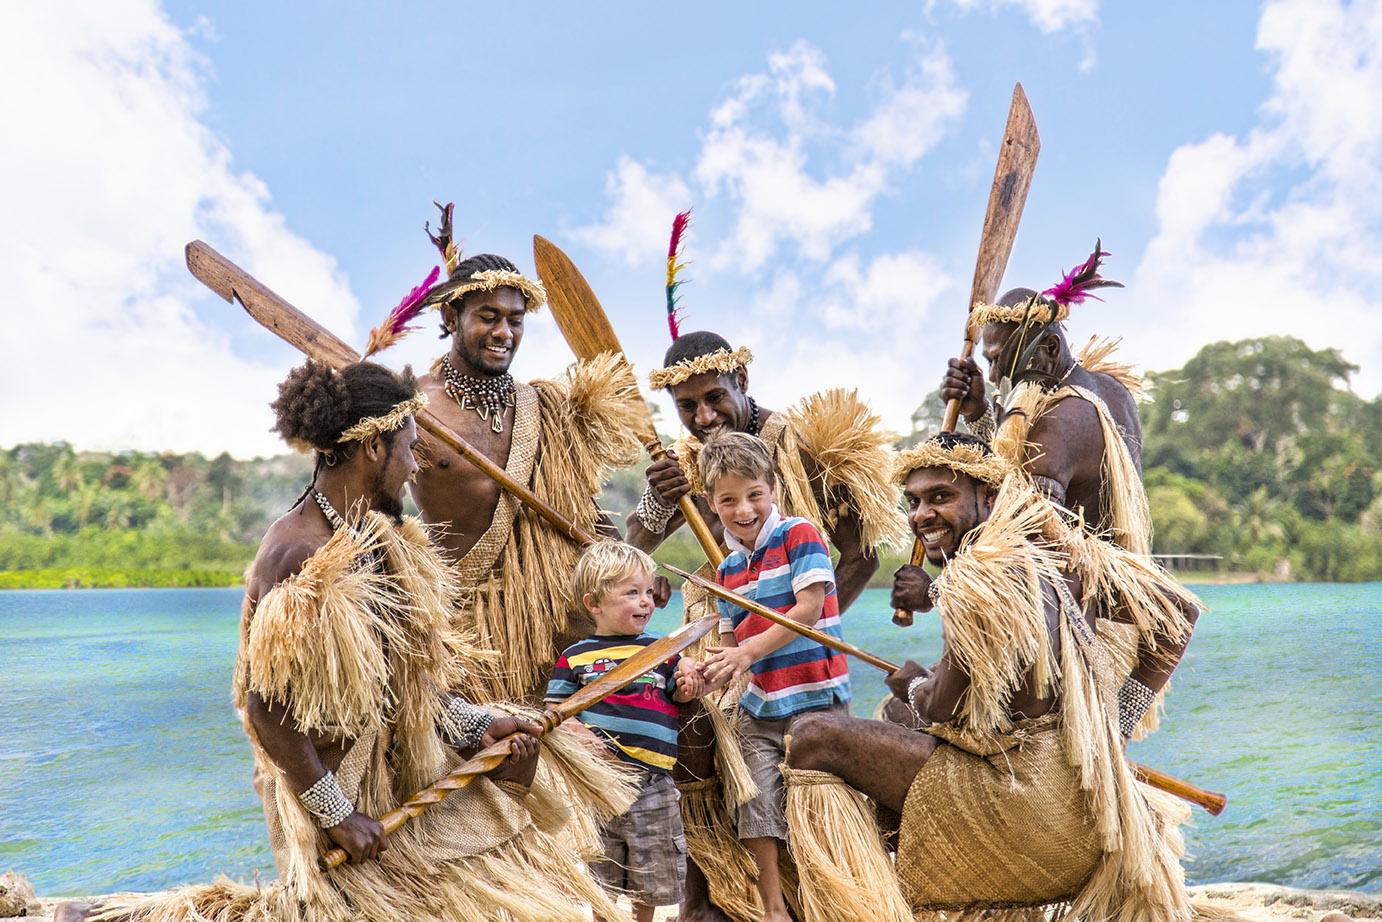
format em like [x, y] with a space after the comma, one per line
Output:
[901, 616]
[1212, 801]
[447, 436]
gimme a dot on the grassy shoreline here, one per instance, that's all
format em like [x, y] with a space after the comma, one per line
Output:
[115, 578]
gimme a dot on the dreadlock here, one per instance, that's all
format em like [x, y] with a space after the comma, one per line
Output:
[481, 262]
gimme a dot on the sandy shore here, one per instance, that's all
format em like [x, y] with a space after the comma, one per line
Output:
[1255, 902]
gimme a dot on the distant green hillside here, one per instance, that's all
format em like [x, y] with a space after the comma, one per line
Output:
[1256, 451]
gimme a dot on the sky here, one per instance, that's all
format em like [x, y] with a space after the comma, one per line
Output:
[1228, 154]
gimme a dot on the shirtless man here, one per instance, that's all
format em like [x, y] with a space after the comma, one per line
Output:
[344, 577]
[1002, 801]
[562, 439]
[1064, 447]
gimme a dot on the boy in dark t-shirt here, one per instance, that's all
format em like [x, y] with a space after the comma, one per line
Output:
[614, 582]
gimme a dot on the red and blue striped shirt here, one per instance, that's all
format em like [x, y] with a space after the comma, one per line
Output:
[788, 556]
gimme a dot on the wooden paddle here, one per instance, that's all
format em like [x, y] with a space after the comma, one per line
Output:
[297, 329]
[1011, 179]
[1212, 801]
[588, 331]
[487, 759]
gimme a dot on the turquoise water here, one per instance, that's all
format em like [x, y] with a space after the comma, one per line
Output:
[123, 766]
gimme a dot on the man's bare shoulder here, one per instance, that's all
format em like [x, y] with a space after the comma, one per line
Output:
[287, 546]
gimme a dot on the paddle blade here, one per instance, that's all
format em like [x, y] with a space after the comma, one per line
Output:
[579, 316]
[574, 306]
[272, 312]
[1011, 180]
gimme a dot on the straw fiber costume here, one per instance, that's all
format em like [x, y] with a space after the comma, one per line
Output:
[566, 437]
[352, 651]
[1009, 814]
[1126, 518]
[832, 460]
[359, 645]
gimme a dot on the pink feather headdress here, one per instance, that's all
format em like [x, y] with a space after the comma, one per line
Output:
[1077, 284]
[395, 326]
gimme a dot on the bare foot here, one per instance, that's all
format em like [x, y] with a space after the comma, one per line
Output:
[72, 911]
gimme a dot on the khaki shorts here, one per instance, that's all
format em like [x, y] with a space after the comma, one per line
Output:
[645, 848]
[764, 749]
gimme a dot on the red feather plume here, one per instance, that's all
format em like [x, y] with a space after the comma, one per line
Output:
[1076, 285]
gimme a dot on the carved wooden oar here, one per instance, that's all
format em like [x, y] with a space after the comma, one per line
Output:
[1011, 179]
[297, 329]
[588, 331]
[487, 759]
[1212, 801]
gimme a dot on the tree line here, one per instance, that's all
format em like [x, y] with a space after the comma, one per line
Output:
[1255, 452]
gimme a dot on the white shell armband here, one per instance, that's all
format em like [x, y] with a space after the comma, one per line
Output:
[327, 803]
[463, 724]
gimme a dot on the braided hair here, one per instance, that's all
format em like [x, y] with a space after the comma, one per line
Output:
[482, 262]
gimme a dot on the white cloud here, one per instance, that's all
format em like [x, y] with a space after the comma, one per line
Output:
[1047, 15]
[758, 153]
[785, 185]
[111, 171]
[781, 172]
[640, 212]
[1277, 231]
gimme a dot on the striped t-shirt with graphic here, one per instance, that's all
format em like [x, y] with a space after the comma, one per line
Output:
[638, 722]
[788, 556]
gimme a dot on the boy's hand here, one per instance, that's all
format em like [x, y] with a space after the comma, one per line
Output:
[724, 664]
[691, 682]
[668, 480]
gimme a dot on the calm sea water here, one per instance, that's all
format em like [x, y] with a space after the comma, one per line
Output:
[123, 766]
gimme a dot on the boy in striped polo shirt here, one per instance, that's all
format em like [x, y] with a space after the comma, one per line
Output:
[782, 563]
[645, 848]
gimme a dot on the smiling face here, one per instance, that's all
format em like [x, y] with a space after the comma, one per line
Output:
[942, 507]
[711, 402]
[625, 607]
[743, 505]
[487, 329]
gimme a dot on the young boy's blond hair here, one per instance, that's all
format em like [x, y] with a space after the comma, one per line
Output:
[738, 454]
[605, 563]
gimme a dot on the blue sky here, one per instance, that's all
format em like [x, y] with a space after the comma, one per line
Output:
[838, 164]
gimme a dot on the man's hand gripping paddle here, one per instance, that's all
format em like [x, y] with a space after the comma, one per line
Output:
[1011, 179]
[588, 331]
[489, 758]
[297, 329]
[1212, 801]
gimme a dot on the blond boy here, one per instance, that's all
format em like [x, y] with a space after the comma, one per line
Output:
[783, 563]
[645, 849]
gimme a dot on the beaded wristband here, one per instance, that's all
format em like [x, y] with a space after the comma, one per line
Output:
[1134, 700]
[464, 724]
[653, 513]
[327, 803]
[985, 425]
[912, 687]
